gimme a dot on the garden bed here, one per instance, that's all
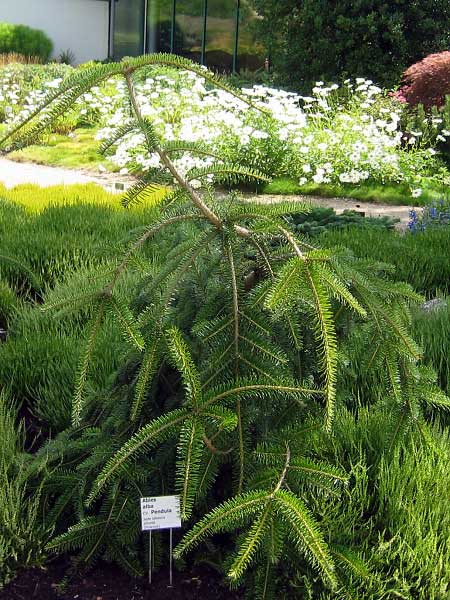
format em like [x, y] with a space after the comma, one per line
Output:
[107, 582]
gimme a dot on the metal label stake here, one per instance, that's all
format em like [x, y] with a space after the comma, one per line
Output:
[171, 560]
[157, 513]
[150, 561]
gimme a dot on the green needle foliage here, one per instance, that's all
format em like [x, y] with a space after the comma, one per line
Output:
[239, 341]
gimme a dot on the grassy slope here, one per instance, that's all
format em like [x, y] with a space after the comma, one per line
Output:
[77, 152]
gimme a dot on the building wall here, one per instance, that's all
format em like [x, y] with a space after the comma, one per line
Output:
[78, 25]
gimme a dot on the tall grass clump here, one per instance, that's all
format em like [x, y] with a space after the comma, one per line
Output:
[22, 537]
[13, 58]
[8, 303]
[432, 331]
[394, 511]
[421, 259]
[39, 245]
[38, 361]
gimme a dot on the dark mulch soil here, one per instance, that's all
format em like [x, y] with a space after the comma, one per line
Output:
[107, 582]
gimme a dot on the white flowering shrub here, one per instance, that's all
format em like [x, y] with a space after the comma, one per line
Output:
[22, 84]
[338, 135]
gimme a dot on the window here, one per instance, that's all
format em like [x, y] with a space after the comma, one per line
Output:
[129, 28]
[220, 34]
[189, 19]
[159, 26]
[251, 54]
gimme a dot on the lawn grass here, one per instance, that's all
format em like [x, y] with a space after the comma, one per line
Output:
[395, 194]
[77, 152]
[35, 199]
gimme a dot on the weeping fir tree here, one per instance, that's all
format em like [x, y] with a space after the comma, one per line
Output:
[241, 338]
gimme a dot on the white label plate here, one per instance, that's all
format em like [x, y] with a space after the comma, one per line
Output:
[160, 512]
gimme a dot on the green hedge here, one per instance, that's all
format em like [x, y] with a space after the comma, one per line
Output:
[24, 40]
[310, 40]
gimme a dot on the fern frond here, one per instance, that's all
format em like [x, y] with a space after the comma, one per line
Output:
[305, 534]
[351, 562]
[148, 368]
[284, 293]
[189, 451]
[84, 364]
[269, 210]
[182, 360]
[339, 290]
[180, 63]
[326, 338]
[220, 417]
[174, 146]
[251, 544]
[126, 321]
[229, 173]
[79, 535]
[119, 133]
[248, 389]
[318, 471]
[229, 515]
[70, 89]
[145, 439]
[148, 185]
[436, 398]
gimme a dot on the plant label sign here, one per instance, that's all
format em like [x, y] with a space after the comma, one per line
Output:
[160, 512]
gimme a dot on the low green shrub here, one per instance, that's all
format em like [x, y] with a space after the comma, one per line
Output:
[421, 259]
[36, 199]
[24, 40]
[320, 218]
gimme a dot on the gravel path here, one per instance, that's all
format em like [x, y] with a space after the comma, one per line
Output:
[15, 173]
[369, 209]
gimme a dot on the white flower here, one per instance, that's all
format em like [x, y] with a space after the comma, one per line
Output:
[306, 168]
[416, 193]
[318, 178]
[260, 135]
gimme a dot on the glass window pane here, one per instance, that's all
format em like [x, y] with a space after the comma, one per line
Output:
[159, 25]
[129, 28]
[251, 54]
[220, 34]
[189, 29]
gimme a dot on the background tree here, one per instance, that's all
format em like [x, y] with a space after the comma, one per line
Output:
[328, 39]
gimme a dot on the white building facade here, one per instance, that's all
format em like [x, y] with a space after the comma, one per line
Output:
[81, 26]
[216, 33]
